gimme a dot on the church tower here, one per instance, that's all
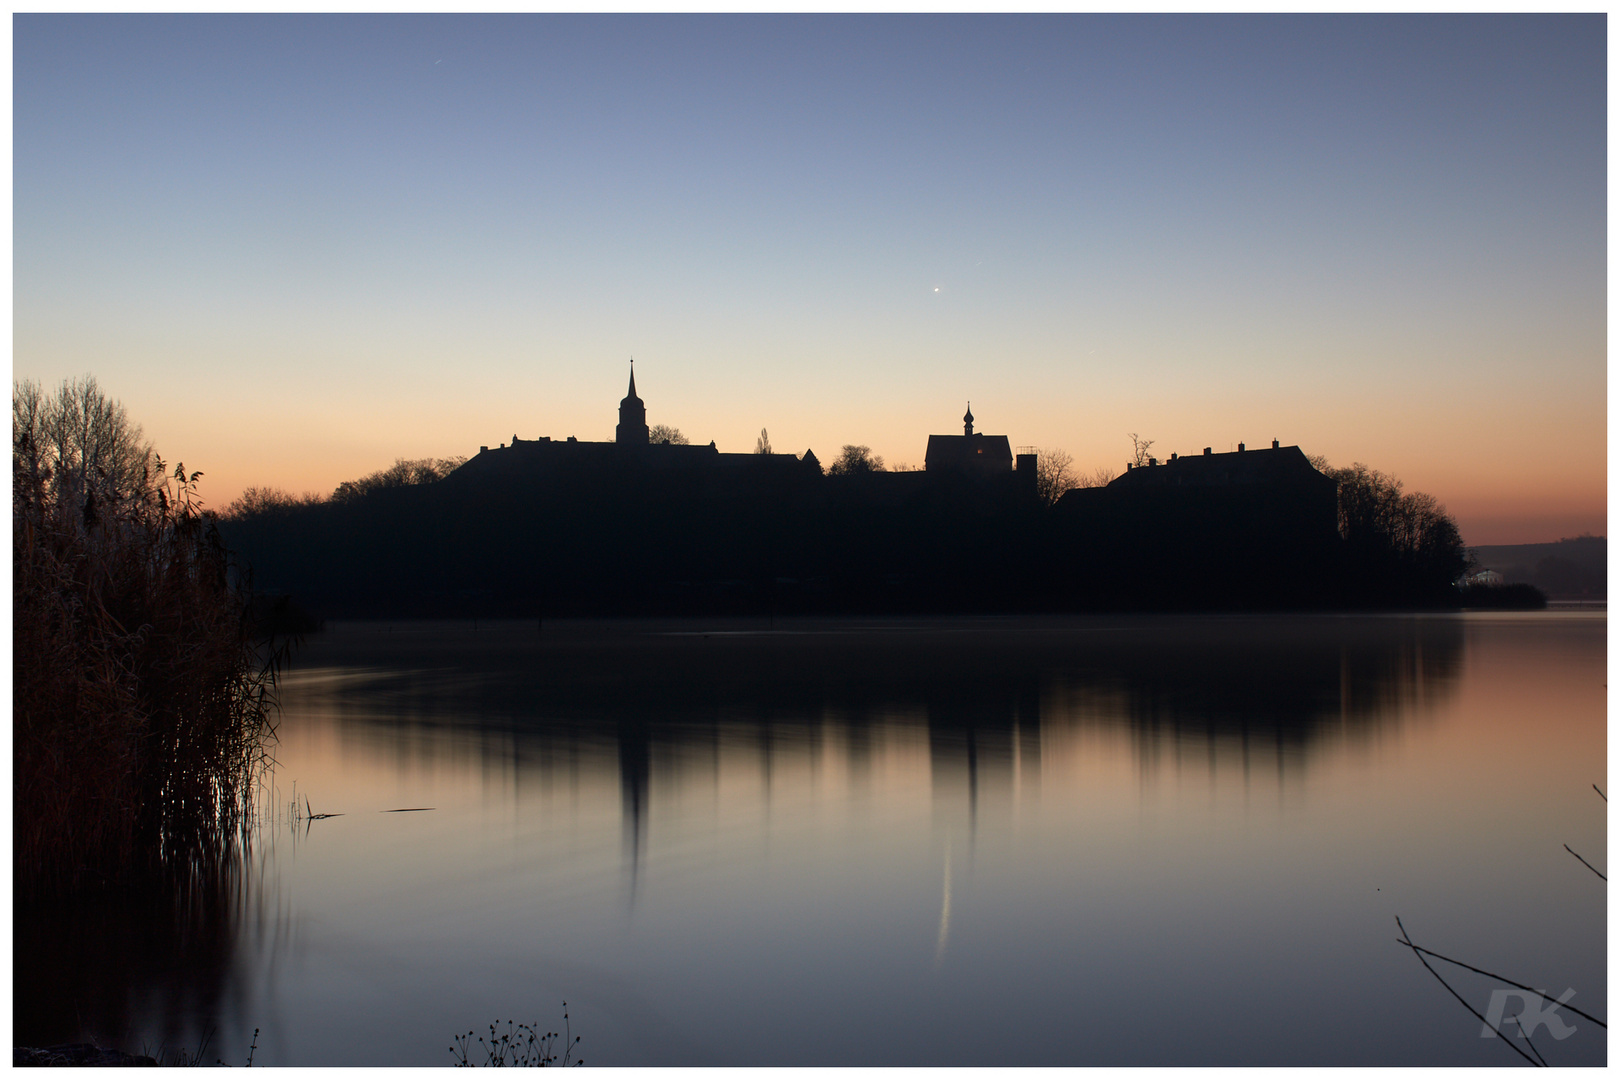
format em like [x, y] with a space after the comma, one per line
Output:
[632, 427]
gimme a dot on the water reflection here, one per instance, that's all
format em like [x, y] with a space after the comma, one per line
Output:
[992, 707]
[623, 779]
[132, 969]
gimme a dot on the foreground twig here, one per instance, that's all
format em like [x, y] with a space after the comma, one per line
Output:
[1419, 954]
[1525, 1035]
[1586, 864]
[1493, 975]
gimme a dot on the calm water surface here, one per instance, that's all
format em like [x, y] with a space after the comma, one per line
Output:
[1089, 841]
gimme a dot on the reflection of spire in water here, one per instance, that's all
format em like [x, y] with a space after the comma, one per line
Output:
[766, 745]
[634, 773]
[944, 912]
[1278, 742]
[1017, 763]
[1245, 763]
[973, 787]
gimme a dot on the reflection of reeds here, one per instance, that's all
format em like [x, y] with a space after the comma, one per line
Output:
[141, 707]
[112, 966]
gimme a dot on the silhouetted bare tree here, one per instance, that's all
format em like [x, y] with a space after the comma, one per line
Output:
[77, 447]
[1054, 474]
[763, 444]
[1101, 476]
[268, 500]
[1139, 449]
[855, 459]
[664, 433]
[1377, 519]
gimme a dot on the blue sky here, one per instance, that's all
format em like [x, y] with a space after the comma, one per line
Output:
[299, 247]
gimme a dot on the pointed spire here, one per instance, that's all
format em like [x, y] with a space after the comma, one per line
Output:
[632, 427]
[967, 420]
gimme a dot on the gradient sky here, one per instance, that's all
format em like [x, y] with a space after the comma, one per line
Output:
[298, 248]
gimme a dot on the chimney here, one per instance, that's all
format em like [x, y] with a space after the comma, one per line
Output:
[1274, 444]
[1208, 451]
[1240, 448]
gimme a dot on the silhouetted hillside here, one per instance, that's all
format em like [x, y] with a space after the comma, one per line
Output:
[1572, 569]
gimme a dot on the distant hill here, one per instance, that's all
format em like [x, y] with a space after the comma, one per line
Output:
[1572, 569]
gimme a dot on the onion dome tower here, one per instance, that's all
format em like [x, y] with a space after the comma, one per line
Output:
[632, 427]
[967, 420]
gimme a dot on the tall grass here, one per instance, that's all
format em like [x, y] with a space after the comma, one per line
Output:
[142, 708]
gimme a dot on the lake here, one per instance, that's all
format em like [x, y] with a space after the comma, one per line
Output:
[1069, 841]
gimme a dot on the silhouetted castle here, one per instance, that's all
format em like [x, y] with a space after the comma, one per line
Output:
[632, 447]
[1253, 523]
[982, 459]
[634, 525]
[1249, 495]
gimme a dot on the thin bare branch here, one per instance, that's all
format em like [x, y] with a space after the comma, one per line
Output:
[1419, 954]
[1586, 864]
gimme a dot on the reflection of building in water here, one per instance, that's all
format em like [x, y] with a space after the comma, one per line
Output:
[1255, 695]
[746, 732]
[984, 744]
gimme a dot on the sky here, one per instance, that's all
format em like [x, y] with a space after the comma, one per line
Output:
[298, 248]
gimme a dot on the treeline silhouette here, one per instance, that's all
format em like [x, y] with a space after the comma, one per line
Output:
[626, 536]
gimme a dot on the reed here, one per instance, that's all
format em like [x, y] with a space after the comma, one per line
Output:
[142, 703]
